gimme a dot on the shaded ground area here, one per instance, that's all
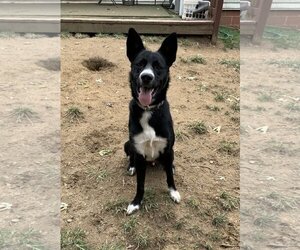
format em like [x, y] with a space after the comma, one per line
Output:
[204, 99]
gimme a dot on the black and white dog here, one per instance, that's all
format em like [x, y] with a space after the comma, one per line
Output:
[151, 134]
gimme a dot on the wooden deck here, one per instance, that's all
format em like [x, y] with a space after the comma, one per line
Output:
[94, 18]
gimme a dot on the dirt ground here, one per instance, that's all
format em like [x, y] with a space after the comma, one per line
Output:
[95, 187]
[270, 146]
[29, 145]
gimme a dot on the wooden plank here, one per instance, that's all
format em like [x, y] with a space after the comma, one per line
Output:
[27, 25]
[92, 25]
[247, 27]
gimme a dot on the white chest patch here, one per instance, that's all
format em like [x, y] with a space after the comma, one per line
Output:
[147, 143]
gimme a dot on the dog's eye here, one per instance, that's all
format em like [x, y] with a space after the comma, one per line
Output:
[156, 66]
[141, 63]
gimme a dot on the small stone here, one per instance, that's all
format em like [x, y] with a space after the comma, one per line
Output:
[69, 220]
[15, 220]
[211, 162]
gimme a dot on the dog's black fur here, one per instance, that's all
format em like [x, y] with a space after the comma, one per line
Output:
[161, 121]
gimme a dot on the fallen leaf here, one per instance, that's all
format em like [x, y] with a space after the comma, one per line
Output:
[217, 129]
[63, 206]
[5, 206]
[263, 129]
[105, 152]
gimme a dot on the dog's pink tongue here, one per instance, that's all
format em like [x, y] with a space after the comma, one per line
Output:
[145, 97]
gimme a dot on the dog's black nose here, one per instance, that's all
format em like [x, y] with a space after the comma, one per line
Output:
[147, 78]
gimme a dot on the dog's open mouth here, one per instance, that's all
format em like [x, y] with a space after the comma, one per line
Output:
[145, 96]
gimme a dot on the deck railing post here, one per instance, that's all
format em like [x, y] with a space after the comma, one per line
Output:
[261, 20]
[216, 18]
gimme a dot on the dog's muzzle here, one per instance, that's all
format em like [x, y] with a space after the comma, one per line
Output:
[146, 77]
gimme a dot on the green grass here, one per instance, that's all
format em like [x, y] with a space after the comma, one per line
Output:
[74, 239]
[215, 236]
[152, 39]
[265, 220]
[81, 36]
[204, 246]
[98, 175]
[235, 119]
[150, 201]
[181, 135]
[220, 97]
[260, 109]
[291, 64]
[7, 35]
[192, 203]
[112, 246]
[23, 114]
[129, 225]
[228, 147]
[280, 202]
[199, 128]
[235, 106]
[280, 148]
[26, 239]
[118, 36]
[184, 42]
[292, 107]
[197, 59]
[231, 63]
[179, 224]
[212, 108]
[74, 114]
[230, 37]
[202, 87]
[220, 220]
[65, 35]
[283, 37]
[142, 241]
[33, 36]
[228, 202]
[117, 206]
[265, 97]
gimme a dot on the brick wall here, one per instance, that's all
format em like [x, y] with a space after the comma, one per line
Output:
[279, 18]
[284, 18]
[230, 18]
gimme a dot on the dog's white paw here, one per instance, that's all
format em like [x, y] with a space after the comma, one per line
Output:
[132, 208]
[131, 171]
[175, 196]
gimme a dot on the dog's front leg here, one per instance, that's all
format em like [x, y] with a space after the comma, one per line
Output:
[140, 166]
[167, 161]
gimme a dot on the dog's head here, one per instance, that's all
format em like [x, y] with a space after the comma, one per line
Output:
[149, 75]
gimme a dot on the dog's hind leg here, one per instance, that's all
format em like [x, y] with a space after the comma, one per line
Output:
[129, 153]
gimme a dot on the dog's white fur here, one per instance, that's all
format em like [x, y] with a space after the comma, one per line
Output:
[175, 196]
[132, 208]
[147, 71]
[147, 143]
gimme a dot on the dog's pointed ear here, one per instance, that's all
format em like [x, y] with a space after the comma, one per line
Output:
[168, 49]
[134, 44]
